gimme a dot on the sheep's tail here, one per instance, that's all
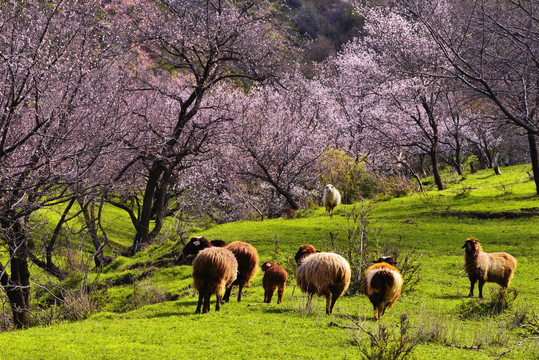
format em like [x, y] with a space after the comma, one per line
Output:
[382, 279]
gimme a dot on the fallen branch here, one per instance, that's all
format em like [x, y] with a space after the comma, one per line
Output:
[516, 346]
[465, 347]
[331, 323]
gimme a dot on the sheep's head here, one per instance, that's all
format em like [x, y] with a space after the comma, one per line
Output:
[195, 245]
[471, 246]
[329, 188]
[218, 243]
[267, 265]
[386, 259]
[304, 251]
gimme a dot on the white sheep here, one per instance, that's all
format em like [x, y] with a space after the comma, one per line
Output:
[322, 273]
[331, 198]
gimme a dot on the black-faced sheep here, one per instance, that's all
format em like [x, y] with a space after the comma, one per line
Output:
[218, 243]
[331, 198]
[274, 278]
[322, 273]
[214, 270]
[247, 258]
[192, 248]
[383, 284]
[196, 244]
[487, 267]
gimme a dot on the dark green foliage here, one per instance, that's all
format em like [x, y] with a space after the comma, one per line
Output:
[500, 301]
[328, 23]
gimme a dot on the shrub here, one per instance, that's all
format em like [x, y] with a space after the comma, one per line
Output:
[500, 301]
[147, 293]
[363, 247]
[343, 171]
[81, 303]
[387, 343]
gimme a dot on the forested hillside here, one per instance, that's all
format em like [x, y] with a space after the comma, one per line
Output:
[179, 115]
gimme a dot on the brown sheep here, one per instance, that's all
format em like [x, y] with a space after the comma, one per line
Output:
[247, 258]
[322, 273]
[214, 269]
[383, 285]
[487, 267]
[274, 277]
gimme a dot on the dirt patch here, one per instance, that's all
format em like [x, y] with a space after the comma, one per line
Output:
[486, 215]
[129, 278]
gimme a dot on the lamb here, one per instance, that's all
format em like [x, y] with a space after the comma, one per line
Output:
[331, 198]
[487, 267]
[247, 257]
[214, 269]
[322, 273]
[383, 284]
[274, 277]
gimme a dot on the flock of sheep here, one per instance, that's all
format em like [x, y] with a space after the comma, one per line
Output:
[218, 266]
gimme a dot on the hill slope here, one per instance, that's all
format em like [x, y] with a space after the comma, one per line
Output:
[501, 211]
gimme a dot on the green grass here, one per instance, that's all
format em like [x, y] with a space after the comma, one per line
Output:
[482, 205]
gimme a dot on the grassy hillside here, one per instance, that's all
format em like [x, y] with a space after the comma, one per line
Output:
[501, 211]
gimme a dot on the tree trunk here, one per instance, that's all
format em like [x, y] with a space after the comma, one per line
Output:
[18, 291]
[534, 159]
[160, 205]
[436, 168]
[17, 287]
[458, 165]
[152, 184]
[90, 221]
[496, 164]
[419, 183]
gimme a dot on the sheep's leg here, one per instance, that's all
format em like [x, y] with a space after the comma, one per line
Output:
[309, 300]
[472, 284]
[480, 286]
[218, 303]
[239, 291]
[270, 295]
[206, 307]
[328, 304]
[199, 305]
[334, 297]
[227, 294]
[280, 293]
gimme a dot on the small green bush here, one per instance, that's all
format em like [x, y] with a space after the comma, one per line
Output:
[500, 301]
